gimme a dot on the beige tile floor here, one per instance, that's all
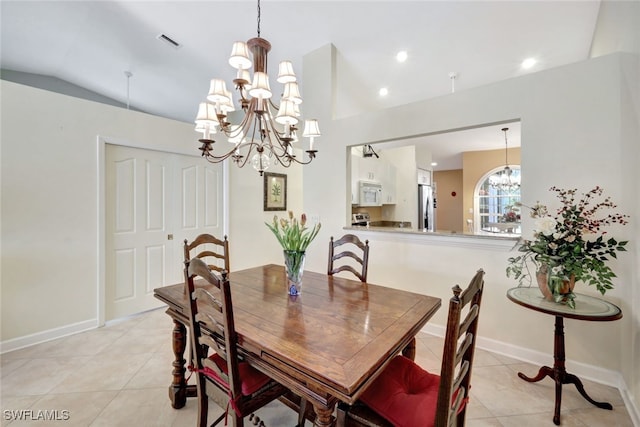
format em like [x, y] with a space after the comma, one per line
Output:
[118, 376]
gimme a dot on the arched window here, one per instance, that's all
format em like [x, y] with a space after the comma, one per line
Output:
[495, 202]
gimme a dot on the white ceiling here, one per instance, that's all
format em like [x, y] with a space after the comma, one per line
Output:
[92, 43]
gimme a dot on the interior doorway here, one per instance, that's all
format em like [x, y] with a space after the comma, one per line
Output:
[153, 201]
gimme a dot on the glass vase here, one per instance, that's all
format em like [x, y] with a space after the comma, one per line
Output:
[294, 266]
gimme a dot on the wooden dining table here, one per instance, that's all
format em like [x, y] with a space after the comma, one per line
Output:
[327, 344]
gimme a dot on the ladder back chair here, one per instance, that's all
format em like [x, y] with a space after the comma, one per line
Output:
[405, 395]
[206, 247]
[222, 377]
[336, 253]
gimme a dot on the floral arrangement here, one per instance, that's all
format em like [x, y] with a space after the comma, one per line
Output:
[294, 237]
[511, 216]
[292, 234]
[571, 244]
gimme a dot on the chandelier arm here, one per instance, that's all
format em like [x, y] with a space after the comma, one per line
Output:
[303, 162]
[216, 159]
[242, 127]
[273, 104]
[251, 145]
[271, 121]
[280, 152]
[282, 144]
[279, 149]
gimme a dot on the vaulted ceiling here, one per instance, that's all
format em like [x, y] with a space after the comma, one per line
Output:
[92, 44]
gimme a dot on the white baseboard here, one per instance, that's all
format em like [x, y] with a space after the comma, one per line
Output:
[582, 370]
[634, 411]
[48, 335]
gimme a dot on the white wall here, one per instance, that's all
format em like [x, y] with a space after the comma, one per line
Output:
[578, 130]
[49, 213]
[251, 243]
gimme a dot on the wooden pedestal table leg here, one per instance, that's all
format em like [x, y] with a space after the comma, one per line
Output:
[572, 379]
[179, 390]
[324, 415]
[559, 373]
[178, 387]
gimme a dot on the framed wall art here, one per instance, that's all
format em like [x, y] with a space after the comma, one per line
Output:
[275, 191]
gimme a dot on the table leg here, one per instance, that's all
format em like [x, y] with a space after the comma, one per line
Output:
[324, 417]
[178, 387]
[410, 350]
[572, 379]
[560, 375]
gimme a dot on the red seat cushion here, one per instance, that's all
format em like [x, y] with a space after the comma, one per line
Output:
[251, 379]
[404, 394]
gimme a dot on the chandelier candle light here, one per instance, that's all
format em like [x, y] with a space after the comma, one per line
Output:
[270, 135]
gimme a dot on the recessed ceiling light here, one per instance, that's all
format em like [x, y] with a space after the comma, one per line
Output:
[528, 63]
[434, 163]
[383, 91]
[402, 56]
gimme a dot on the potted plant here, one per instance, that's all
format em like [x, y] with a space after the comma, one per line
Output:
[569, 246]
[294, 237]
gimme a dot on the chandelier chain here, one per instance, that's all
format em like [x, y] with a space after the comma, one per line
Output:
[506, 159]
[258, 19]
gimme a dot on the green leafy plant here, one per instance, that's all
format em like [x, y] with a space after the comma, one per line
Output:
[571, 242]
[292, 234]
[276, 191]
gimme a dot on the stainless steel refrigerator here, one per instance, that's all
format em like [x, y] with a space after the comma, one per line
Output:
[426, 208]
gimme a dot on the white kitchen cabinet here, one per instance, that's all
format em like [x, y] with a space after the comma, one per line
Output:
[355, 179]
[424, 177]
[388, 180]
[370, 168]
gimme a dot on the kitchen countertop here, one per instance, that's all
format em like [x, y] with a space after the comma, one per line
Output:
[392, 224]
[414, 231]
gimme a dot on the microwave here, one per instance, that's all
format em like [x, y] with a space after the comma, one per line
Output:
[370, 194]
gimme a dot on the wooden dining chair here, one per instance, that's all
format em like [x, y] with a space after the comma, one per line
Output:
[361, 257]
[222, 376]
[337, 252]
[209, 248]
[405, 395]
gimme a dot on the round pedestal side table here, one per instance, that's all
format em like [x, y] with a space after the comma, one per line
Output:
[587, 308]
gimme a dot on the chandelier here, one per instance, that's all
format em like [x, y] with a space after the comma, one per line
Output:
[267, 131]
[505, 180]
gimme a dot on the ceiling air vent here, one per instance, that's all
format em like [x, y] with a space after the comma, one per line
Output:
[168, 40]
